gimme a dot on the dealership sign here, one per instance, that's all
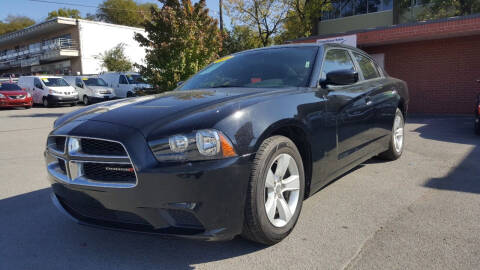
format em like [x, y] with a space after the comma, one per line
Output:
[350, 40]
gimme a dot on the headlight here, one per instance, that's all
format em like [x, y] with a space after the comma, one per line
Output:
[2, 96]
[28, 95]
[53, 92]
[203, 144]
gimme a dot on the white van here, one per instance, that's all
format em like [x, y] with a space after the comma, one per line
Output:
[90, 89]
[125, 84]
[49, 90]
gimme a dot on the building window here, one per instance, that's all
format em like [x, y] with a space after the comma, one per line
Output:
[347, 8]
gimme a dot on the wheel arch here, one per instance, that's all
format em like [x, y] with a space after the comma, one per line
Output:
[297, 132]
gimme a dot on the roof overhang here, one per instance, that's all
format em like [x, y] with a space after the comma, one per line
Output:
[410, 32]
[37, 30]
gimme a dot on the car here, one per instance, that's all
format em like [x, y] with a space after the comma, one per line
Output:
[125, 84]
[11, 95]
[49, 90]
[234, 150]
[477, 113]
[91, 89]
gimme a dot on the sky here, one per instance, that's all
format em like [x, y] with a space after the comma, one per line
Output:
[38, 11]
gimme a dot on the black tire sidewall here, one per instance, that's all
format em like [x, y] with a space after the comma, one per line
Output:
[85, 100]
[280, 146]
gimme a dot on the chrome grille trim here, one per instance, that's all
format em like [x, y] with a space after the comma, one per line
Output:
[74, 165]
[52, 145]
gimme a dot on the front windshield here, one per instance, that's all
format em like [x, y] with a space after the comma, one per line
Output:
[135, 79]
[9, 87]
[276, 67]
[94, 82]
[54, 82]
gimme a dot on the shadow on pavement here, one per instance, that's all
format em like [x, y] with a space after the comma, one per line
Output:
[35, 235]
[465, 177]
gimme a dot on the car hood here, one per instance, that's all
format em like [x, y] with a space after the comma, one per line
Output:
[13, 93]
[163, 108]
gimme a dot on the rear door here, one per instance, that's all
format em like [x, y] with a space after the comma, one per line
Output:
[351, 105]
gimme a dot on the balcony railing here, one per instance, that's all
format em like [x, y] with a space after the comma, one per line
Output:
[37, 49]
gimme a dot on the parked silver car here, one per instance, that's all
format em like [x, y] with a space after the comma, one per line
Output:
[91, 88]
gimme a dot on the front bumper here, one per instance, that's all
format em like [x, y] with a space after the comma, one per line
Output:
[202, 200]
[95, 99]
[53, 99]
[16, 102]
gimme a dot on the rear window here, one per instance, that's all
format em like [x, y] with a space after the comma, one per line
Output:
[367, 66]
[9, 87]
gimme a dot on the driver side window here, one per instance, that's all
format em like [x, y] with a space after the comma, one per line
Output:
[78, 82]
[336, 59]
[37, 83]
[122, 80]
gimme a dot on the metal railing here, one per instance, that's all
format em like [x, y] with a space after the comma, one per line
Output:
[46, 46]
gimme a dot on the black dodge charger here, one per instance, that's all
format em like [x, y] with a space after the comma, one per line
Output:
[233, 150]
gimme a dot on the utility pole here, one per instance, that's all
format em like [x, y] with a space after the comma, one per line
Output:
[221, 14]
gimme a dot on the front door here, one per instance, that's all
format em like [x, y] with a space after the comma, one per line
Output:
[353, 110]
[37, 92]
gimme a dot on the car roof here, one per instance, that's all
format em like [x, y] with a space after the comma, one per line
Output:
[296, 45]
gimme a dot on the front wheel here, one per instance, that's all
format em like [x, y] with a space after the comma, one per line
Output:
[46, 104]
[275, 193]
[396, 144]
[85, 100]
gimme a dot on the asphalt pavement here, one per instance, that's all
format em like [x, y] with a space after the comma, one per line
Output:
[419, 212]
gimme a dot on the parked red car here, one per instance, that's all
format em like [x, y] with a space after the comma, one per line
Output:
[11, 95]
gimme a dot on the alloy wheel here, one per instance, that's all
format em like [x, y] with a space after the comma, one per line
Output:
[282, 188]
[398, 133]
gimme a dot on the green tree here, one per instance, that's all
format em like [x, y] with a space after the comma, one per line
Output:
[263, 16]
[239, 38]
[124, 12]
[181, 38]
[14, 23]
[436, 9]
[64, 12]
[302, 18]
[115, 59]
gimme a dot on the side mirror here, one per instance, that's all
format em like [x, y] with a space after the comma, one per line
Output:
[39, 86]
[80, 85]
[180, 83]
[340, 77]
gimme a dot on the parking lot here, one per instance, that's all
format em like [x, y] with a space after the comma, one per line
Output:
[420, 212]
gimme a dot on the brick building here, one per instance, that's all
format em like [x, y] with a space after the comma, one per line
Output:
[439, 59]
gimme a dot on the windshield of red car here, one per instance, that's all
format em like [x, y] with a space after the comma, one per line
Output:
[9, 87]
[268, 68]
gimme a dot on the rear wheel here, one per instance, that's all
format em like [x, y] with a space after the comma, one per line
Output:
[275, 193]
[28, 107]
[396, 143]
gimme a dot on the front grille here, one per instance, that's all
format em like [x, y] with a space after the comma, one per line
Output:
[94, 210]
[61, 164]
[57, 143]
[102, 148]
[92, 162]
[106, 172]
[17, 97]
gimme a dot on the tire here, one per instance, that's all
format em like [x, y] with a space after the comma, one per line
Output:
[28, 107]
[85, 100]
[271, 229]
[397, 138]
[129, 94]
[45, 102]
[477, 126]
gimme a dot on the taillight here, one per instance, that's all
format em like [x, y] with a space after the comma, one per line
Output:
[478, 108]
